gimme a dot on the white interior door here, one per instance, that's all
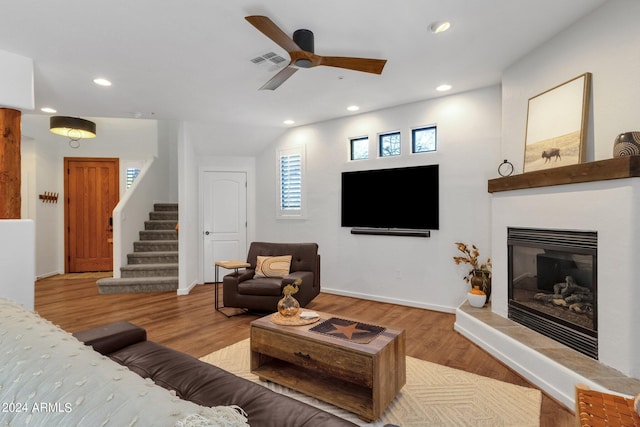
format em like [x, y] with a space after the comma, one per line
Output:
[224, 220]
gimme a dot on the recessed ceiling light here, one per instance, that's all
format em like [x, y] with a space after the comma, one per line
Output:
[48, 110]
[353, 108]
[440, 26]
[443, 88]
[102, 82]
[288, 122]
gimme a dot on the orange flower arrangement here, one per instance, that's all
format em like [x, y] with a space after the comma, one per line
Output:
[471, 256]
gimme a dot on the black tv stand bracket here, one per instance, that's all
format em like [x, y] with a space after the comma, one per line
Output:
[391, 232]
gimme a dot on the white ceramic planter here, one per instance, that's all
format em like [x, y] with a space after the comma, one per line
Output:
[476, 300]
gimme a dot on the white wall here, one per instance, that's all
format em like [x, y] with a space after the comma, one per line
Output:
[16, 81]
[17, 261]
[406, 270]
[604, 43]
[127, 139]
[189, 235]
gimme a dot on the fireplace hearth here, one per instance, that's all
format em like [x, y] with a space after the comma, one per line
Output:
[552, 285]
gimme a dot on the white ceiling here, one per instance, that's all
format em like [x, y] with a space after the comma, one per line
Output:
[190, 60]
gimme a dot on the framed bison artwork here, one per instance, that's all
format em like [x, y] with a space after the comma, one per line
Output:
[557, 125]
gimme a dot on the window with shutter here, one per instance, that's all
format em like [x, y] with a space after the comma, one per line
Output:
[291, 182]
[290, 177]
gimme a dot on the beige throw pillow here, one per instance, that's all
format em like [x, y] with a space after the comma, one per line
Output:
[272, 266]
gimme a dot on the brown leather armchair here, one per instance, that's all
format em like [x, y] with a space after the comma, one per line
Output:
[242, 290]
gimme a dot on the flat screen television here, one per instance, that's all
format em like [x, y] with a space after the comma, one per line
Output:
[399, 198]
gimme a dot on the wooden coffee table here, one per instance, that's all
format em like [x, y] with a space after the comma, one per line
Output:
[361, 378]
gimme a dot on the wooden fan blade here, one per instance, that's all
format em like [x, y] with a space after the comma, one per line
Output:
[279, 78]
[271, 30]
[367, 65]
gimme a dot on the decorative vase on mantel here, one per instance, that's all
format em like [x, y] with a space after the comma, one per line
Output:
[482, 279]
[627, 144]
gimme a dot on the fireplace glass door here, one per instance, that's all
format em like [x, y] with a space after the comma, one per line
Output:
[553, 284]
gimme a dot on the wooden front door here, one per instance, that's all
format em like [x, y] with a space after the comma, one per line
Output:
[91, 192]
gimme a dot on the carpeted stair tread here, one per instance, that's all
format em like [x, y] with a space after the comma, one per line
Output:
[158, 235]
[160, 224]
[135, 280]
[159, 207]
[163, 215]
[154, 246]
[150, 267]
[156, 253]
[153, 257]
[137, 284]
[149, 270]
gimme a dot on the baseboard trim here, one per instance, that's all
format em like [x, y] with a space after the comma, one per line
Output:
[187, 290]
[50, 274]
[434, 307]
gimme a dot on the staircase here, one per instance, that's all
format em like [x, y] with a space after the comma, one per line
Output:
[153, 265]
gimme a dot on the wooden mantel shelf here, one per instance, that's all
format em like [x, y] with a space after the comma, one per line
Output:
[617, 168]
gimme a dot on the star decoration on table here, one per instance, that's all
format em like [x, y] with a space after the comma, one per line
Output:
[346, 330]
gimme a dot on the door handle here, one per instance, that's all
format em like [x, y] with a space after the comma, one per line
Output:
[206, 233]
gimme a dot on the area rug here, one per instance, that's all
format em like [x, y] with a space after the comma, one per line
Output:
[434, 395]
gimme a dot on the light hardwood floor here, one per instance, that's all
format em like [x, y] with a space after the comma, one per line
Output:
[190, 324]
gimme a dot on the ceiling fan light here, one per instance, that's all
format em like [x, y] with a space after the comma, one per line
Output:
[440, 26]
[72, 127]
[303, 63]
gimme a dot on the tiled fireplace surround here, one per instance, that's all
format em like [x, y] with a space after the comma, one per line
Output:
[601, 196]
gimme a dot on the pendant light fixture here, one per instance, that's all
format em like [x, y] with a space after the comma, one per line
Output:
[73, 128]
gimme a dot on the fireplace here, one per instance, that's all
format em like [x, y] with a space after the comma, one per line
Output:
[552, 285]
[601, 197]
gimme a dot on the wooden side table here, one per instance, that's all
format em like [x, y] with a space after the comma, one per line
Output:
[230, 265]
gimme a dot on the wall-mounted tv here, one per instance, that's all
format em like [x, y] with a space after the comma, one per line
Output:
[399, 198]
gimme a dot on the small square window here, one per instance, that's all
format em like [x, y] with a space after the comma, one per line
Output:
[390, 144]
[424, 139]
[360, 148]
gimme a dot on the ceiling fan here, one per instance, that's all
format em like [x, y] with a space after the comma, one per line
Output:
[300, 49]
